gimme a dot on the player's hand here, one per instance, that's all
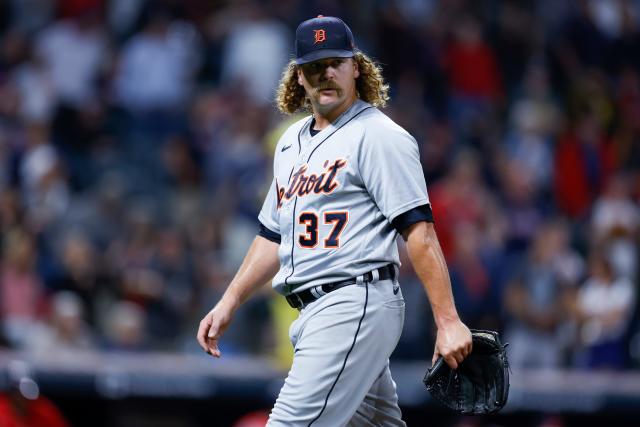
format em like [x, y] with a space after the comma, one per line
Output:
[212, 326]
[453, 343]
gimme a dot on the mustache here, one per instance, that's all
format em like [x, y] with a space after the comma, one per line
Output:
[327, 86]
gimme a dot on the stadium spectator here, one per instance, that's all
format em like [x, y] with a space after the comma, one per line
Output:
[583, 163]
[604, 307]
[64, 333]
[474, 79]
[124, 328]
[462, 198]
[45, 189]
[533, 123]
[156, 66]
[474, 269]
[524, 210]
[81, 273]
[615, 224]
[74, 52]
[22, 297]
[535, 300]
[252, 30]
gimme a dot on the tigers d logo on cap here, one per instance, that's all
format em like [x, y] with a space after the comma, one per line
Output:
[320, 36]
[323, 37]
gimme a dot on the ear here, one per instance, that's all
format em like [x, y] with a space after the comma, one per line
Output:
[300, 81]
[356, 69]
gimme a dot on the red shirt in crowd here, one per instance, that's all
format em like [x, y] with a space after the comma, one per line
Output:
[37, 413]
[473, 70]
[581, 171]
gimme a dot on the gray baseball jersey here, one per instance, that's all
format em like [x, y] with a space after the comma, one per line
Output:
[334, 196]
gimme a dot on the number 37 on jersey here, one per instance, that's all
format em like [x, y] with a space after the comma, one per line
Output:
[301, 185]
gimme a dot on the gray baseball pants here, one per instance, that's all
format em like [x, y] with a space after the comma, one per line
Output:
[340, 374]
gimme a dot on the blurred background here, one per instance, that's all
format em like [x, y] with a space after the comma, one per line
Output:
[136, 142]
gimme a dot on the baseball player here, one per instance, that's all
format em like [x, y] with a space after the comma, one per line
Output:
[347, 181]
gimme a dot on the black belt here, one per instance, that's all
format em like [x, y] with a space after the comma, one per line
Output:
[302, 298]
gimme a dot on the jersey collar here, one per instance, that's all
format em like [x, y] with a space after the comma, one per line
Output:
[354, 109]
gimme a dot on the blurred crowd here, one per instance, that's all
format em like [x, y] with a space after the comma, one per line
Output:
[136, 142]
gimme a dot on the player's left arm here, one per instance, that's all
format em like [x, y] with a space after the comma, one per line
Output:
[389, 163]
[453, 341]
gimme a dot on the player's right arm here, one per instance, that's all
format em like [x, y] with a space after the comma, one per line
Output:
[259, 266]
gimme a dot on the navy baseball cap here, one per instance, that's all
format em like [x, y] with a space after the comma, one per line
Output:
[323, 37]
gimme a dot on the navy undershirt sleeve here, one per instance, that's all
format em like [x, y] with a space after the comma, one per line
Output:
[412, 216]
[268, 234]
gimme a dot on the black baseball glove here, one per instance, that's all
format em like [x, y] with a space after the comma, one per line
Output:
[480, 385]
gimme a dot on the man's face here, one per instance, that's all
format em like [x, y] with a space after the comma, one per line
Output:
[329, 83]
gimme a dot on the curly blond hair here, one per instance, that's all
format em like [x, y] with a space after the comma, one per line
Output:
[370, 86]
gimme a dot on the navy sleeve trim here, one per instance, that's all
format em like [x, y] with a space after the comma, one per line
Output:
[268, 234]
[412, 216]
